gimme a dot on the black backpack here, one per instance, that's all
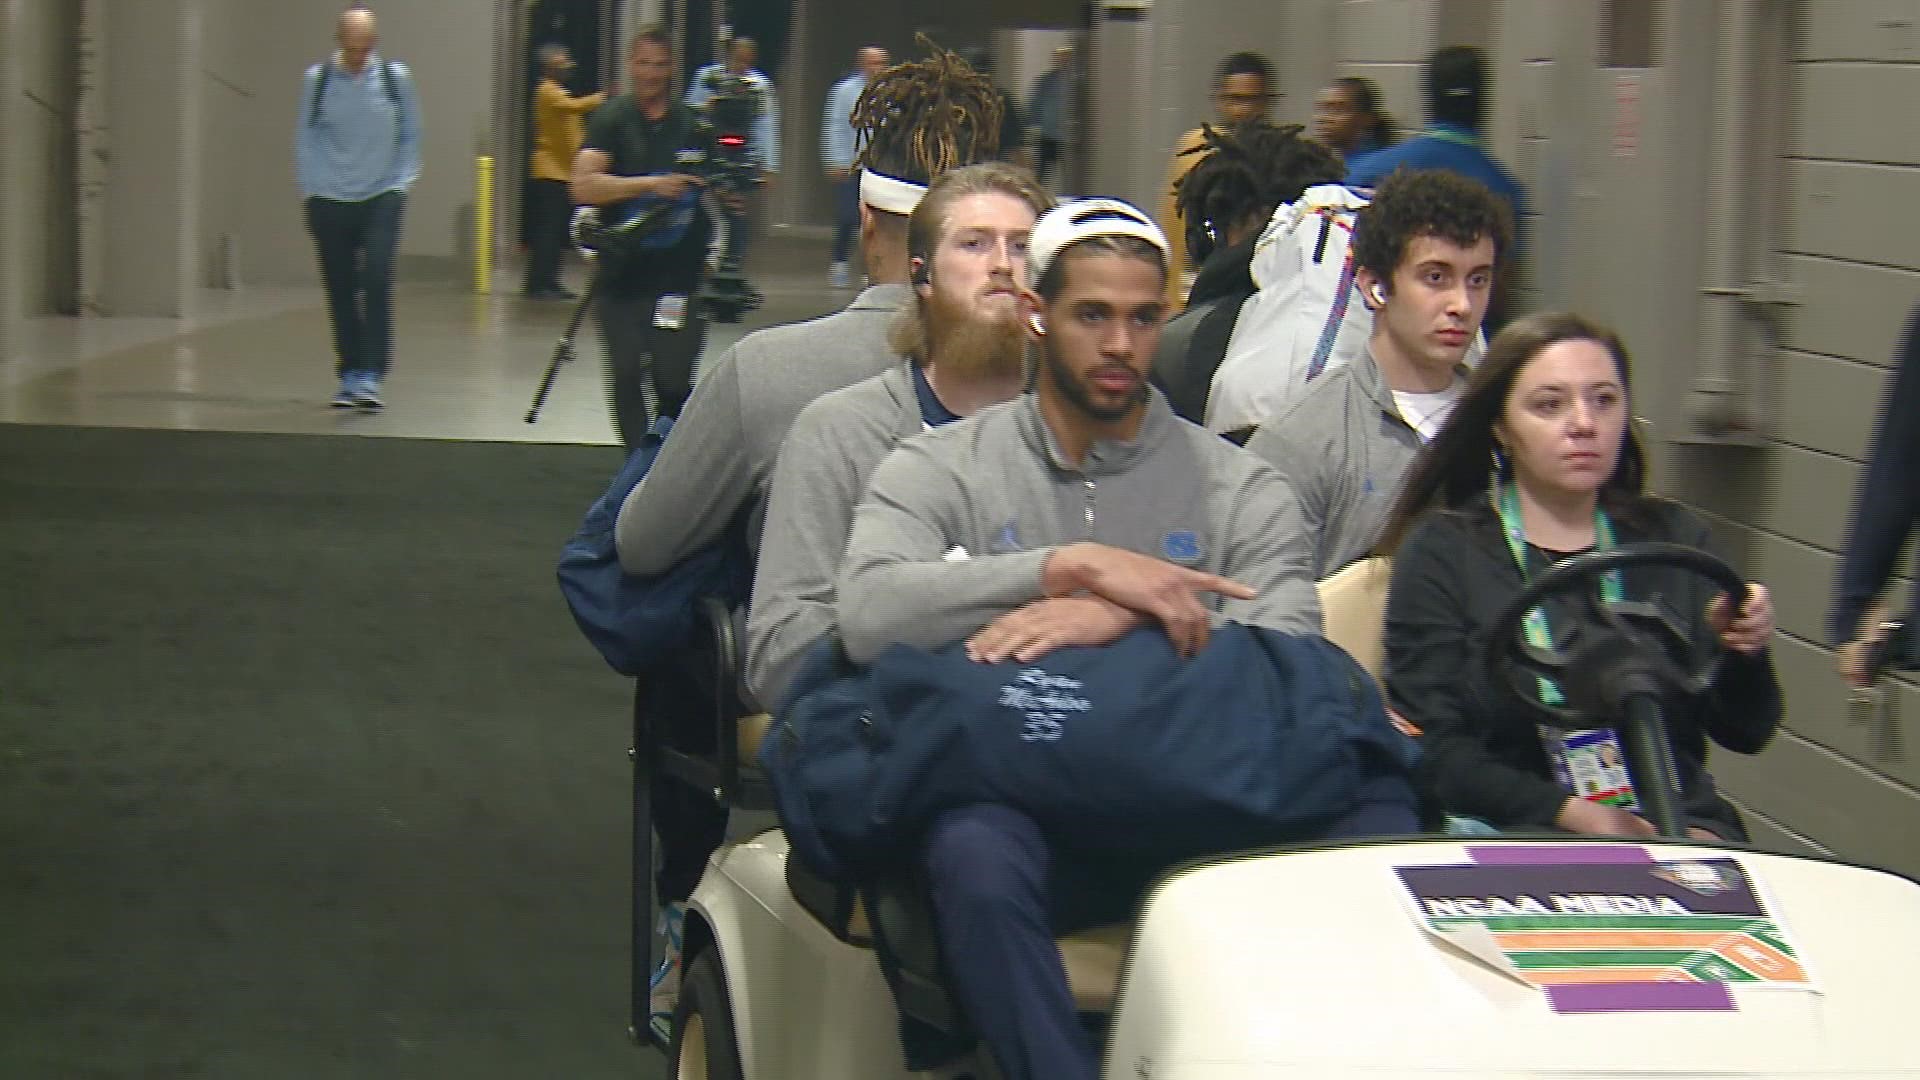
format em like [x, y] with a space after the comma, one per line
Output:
[386, 79]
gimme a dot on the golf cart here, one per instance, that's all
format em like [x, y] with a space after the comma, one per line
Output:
[1515, 957]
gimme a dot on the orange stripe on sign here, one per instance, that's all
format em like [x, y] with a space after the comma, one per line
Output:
[1589, 976]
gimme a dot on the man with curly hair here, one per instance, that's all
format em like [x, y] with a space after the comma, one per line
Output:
[1426, 253]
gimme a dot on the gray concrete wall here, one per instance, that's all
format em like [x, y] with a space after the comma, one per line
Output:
[36, 219]
[1850, 249]
[11, 308]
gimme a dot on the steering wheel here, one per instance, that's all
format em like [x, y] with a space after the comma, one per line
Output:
[1600, 661]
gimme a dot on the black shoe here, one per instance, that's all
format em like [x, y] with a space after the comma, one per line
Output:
[552, 294]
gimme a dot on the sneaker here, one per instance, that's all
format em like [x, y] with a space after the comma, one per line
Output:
[367, 394]
[840, 276]
[348, 394]
[664, 987]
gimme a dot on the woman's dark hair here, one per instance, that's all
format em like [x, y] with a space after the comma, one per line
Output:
[916, 120]
[1245, 175]
[1455, 470]
[1376, 124]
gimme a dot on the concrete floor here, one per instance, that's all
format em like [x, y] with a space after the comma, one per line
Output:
[260, 359]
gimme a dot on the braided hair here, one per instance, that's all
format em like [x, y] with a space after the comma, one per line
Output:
[1245, 175]
[918, 119]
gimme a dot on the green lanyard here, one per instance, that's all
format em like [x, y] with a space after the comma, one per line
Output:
[1506, 503]
[1456, 137]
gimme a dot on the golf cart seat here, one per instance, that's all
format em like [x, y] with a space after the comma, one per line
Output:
[1353, 611]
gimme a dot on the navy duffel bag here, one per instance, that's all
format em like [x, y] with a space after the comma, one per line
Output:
[1263, 738]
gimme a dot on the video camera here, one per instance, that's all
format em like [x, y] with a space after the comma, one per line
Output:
[733, 105]
[648, 225]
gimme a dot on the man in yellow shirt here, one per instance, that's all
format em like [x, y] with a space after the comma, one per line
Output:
[558, 129]
[1242, 92]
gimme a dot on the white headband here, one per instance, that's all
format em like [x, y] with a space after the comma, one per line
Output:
[887, 193]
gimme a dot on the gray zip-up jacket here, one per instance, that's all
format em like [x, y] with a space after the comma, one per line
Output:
[957, 525]
[823, 469]
[1343, 448]
[725, 440]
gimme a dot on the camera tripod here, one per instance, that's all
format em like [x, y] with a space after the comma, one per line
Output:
[563, 351]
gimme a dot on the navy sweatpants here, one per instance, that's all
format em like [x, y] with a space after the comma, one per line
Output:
[1001, 896]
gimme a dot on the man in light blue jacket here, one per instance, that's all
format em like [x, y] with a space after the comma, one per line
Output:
[838, 150]
[357, 152]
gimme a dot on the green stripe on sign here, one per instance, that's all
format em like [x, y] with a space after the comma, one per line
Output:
[1771, 934]
[1596, 958]
[1711, 968]
[1701, 923]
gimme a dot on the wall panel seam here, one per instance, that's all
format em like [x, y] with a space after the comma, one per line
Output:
[1714, 518]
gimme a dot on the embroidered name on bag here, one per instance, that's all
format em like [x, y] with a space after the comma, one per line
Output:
[1044, 701]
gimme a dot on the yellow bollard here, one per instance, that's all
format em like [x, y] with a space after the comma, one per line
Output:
[483, 225]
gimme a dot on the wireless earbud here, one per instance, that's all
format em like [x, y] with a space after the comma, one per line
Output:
[1038, 326]
[1379, 292]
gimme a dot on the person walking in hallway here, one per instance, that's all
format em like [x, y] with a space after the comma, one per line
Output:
[629, 165]
[357, 153]
[838, 150]
[1051, 105]
[1243, 91]
[558, 129]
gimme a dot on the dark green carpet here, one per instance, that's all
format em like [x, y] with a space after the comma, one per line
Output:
[304, 771]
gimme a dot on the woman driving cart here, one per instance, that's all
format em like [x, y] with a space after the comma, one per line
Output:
[1539, 463]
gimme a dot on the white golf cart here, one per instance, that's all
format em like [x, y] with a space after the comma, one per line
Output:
[1510, 957]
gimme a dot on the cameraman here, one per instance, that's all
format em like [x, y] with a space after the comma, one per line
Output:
[628, 165]
[751, 94]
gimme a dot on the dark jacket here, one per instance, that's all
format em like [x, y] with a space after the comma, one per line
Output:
[1483, 754]
[1123, 750]
[1195, 341]
[1888, 503]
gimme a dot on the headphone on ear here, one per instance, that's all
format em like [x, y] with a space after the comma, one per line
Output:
[1038, 327]
[1379, 292]
[921, 272]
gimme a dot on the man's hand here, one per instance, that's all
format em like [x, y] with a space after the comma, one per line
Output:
[1030, 632]
[671, 185]
[1856, 656]
[1748, 631]
[1161, 591]
[1590, 818]
[837, 175]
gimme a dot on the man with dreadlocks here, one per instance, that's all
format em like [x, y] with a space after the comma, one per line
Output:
[1243, 90]
[1225, 200]
[915, 121]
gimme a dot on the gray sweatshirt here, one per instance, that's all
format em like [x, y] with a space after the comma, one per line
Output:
[1343, 448]
[724, 443]
[824, 464]
[957, 525]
